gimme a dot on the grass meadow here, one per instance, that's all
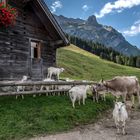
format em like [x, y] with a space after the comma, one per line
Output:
[22, 119]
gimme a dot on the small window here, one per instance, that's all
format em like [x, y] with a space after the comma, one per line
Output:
[35, 50]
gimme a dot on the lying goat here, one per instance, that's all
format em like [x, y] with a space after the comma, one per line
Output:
[120, 116]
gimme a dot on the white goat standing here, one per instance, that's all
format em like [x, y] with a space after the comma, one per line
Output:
[78, 93]
[120, 116]
[54, 71]
[21, 88]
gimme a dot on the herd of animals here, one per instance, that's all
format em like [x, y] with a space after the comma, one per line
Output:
[125, 86]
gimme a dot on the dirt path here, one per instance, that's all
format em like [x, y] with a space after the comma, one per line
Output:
[102, 130]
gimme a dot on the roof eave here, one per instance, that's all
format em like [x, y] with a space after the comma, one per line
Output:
[54, 22]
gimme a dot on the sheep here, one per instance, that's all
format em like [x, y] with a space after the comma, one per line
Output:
[78, 93]
[21, 88]
[120, 116]
[54, 71]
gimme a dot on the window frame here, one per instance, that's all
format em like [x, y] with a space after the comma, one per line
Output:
[38, 47]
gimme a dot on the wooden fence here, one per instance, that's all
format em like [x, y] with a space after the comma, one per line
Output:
[36, 87]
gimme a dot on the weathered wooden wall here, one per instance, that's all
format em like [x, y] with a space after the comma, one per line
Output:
[15, 58]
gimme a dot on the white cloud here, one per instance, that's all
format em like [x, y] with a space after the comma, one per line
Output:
[118, 6]
[133, 30]
[85, 8]
[57, 4]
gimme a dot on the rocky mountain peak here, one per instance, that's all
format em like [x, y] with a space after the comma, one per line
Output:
[92, 21]
[91, 30]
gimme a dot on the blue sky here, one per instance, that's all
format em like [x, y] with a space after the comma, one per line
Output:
[123, 15]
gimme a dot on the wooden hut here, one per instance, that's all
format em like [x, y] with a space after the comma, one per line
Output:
[29, 47]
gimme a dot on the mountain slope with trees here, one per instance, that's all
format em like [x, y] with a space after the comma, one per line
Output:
[81, 64]
[105, 53]
[91, 30]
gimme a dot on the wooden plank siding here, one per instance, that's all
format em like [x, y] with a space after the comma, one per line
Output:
[15, 43]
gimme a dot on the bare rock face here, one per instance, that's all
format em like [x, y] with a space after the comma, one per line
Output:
[90, 29]
[92, 21]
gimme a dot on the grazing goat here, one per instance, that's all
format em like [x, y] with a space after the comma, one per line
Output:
[98, 92]
[120, 116]
[54, 71]
[78, 93]
[122, 86]
[21, 88]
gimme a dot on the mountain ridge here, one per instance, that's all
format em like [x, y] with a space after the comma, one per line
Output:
[90, 29]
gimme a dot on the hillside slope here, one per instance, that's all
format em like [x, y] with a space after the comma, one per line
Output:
[90, 29]
[80, 64]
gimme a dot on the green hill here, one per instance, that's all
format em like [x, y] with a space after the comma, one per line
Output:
[31, 117]
[80, 64]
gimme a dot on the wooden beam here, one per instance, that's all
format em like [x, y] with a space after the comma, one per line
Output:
[56, 43]
[35, 92]
[31, 92]
[32, 83]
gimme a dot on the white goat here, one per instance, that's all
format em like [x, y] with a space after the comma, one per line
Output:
[54, 71]
[78, 93]
[120, 116]
[47, 87]
[21, 88]
[46, 80]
